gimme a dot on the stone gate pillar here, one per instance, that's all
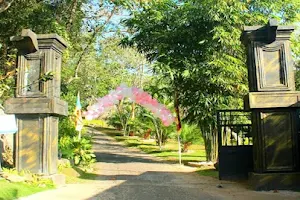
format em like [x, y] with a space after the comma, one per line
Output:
[37, 104]
[274, 103]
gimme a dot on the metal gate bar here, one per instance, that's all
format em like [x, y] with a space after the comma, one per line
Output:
[235, 144]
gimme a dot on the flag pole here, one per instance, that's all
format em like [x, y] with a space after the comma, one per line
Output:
[79, 135]
[78, 119]
[179, 148]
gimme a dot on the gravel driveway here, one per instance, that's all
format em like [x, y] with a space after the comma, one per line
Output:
[128, 174]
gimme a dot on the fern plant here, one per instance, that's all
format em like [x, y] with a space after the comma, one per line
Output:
[162, 133]
[190, 133]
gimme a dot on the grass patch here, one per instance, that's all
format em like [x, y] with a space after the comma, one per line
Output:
[208, 171]
[10, 191]
[109, 131]
[76, 175]
[169, 151]
[95, 122]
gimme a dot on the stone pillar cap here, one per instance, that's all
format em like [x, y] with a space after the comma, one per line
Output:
[52, 36]
[267, 33]
[27, 42]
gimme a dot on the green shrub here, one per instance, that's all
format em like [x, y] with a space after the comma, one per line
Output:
[136, 126]
[79, 151]
[67, 127]
[83, 153]
[114, 121]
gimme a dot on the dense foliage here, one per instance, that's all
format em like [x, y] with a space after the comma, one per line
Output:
[196, 45]
[78, 150]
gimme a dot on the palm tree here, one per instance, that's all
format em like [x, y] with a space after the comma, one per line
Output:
[190, 133]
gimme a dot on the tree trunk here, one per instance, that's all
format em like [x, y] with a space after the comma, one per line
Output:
[4, 5]
[133, 111]
[147, 134]
[176, 106]
[186, 146]
[72, 15]
[158, 134]
[211, 143]
[178, 122]
[158, 138]
[89, 44]
[215, 145]
[122, 120]
[207, 144]
[160, 142]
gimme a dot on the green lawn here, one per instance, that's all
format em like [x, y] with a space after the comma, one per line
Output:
[10, 191]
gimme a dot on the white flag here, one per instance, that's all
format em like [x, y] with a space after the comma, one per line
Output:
[8, 124]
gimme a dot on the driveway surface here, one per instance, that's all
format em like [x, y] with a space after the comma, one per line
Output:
[128, 174]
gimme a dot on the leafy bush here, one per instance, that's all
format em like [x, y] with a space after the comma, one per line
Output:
[124, 118]
[114, 121]
[71, 147]
[78, 150]
[67, 128]
[136, 126]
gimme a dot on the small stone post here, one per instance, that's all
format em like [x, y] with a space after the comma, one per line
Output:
[37, 104]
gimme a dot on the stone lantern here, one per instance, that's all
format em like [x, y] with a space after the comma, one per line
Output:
[274, 104]
[37, 104]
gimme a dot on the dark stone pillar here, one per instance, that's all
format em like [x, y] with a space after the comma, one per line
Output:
[1, 150]
[273, 102]
[37, 104]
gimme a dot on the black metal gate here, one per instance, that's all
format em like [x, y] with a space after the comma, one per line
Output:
[235, 144]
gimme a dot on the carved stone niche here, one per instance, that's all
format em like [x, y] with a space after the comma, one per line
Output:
[270, 65]
[31, 68]
[273, 71]
[35, 65]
